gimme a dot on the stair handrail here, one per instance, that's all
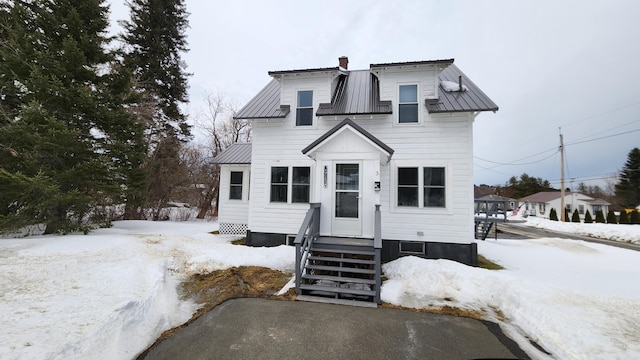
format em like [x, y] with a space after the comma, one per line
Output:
[309, 231]
[377, 246]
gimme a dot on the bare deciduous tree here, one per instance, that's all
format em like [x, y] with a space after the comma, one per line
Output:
[221, 130]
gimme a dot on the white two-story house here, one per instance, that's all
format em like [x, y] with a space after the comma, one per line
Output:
[386, 149]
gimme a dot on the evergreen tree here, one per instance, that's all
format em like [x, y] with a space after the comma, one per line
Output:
[553, 215]
[566, 215]
[634, 217]
[63, 126]
[600, 217]
[611, 218]
[587, 217]
[526, 185]
[624, 217]
[575, 217]
[628, 187]
[155, 39]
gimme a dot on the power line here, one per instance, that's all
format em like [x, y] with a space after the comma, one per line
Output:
[602, 137]
[526, 157]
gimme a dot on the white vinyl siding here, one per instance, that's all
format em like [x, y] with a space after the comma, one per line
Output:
[441, 141]
[234, 211]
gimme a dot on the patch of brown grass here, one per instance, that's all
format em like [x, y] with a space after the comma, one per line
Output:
[218, 286]
[441, 310]
[242, 241]
[485, 263]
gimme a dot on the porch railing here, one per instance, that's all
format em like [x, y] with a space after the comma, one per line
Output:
[308, 232]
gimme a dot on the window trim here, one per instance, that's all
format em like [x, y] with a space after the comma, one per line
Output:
[289, 184]
[298, 107]
[421, 209]
[417, 103]
[240, 185]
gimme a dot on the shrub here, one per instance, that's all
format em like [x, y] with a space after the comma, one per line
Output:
[553, 215]
[587, 217]
[575, 217]
[611, 218]
[600, 217]
[634, 217]
[624, 218]
[566, 215]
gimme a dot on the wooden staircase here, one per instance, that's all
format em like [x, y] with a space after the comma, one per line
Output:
[335, 269]
[340, 270]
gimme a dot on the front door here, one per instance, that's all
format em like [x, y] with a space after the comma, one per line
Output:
[347, 204]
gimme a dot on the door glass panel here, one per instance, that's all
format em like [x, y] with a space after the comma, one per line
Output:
[347, 190]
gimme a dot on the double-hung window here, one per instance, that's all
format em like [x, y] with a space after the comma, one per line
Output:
[290, 184]
[304, 110]
[408, 104]
[235, 186]
[421, 187]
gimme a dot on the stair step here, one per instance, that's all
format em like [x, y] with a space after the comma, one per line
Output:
[341, 269]
[371, 252]
[339, 279]
[340, 290]
[328, 240]
[345, 260]
[336, 301]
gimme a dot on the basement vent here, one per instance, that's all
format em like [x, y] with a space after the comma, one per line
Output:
[412, 247]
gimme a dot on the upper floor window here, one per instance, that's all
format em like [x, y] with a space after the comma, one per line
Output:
[408, 104]
[304, 111]
[290, 183]
[235, 186]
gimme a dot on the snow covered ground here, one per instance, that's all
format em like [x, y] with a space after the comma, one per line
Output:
[617, 232]
[108, 295]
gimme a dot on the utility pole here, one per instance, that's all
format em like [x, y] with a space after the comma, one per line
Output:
[562, 212]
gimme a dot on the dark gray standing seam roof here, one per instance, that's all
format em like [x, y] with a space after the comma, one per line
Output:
[265, 105]
[458, 101]
[238, 153]
[357, 92]
[356, 127]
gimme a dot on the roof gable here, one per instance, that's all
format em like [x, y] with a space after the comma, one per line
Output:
[349, 125]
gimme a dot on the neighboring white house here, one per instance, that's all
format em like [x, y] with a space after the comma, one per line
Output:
[389, 135]
[540, 204]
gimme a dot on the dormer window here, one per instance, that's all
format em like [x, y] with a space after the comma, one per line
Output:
[408, 104]
[304, 111]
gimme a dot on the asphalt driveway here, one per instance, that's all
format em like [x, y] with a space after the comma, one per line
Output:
[270, 329]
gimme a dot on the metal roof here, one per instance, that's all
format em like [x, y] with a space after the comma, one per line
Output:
[356, 93]
[238, 153]
[459, 101]
[282, 72]
[409, 63]
[265, 105]
[356, 127]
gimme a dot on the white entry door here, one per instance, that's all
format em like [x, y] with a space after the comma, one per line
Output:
[347, 202]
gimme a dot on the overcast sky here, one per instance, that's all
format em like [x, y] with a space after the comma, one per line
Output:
[547, 64]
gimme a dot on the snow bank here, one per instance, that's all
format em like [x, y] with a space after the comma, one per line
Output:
[110, 294]
[576, 299]
[616, 232]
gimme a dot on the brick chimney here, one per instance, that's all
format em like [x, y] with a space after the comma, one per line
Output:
[343, 62]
